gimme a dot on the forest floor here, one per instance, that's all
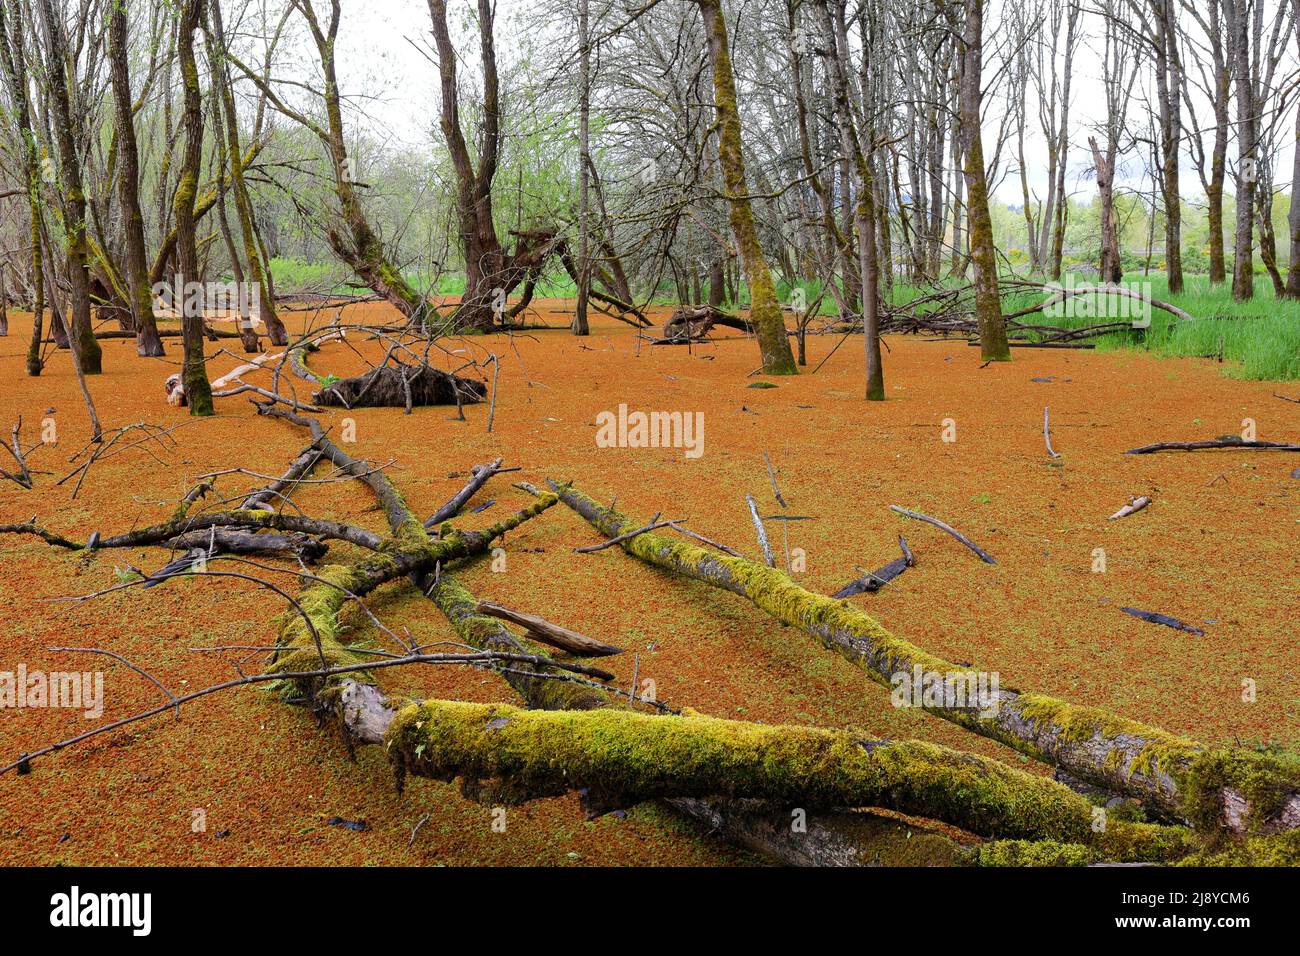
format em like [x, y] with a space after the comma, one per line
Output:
[1217, 549]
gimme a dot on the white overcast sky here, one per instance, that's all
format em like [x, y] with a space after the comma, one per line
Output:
[380, 55]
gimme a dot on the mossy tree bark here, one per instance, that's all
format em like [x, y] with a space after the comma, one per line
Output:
[1174, 777]
[82, 337]
[988, 303]
[617, 759]
[139, 294]
[222, 85]
[194, 376]
[14, 63]
[764, 309]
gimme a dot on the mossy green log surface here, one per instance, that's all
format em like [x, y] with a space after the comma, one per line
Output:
[618, 759]
[1175, 778]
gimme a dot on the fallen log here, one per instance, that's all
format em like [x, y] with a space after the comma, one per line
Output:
[617, 759]
[233, 541]
[1174, 777]
[873, 581]
[544, 632]
[692, 323]
[1223, 441]
[1164, 619]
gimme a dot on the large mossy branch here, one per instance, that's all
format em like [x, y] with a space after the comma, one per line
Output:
[619, 758]
[1174, 777]
[251, 519]
[323, 601]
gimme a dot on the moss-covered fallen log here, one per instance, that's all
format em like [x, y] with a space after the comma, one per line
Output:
[1174, 777]
[618, 759]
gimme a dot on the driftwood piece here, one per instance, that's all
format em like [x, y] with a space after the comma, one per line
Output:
[872, 582]
[390, 385]
[1223, 441]
[544, 632]
[1164, 619]
[268, 497]
[23, 477]
[1047, 435]
[761, 531]
[980, 552]
[1133, 507]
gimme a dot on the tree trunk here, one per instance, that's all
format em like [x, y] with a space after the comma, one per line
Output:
[1111, 269]
[81, 335]
[194, 375]
[988, 302]
[275, 329]
[580, 325]
[764, 309]
[864, 213]
[139, 293]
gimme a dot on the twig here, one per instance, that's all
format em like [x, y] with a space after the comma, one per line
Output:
[654, 525]
[1224, 441]
[983, 555]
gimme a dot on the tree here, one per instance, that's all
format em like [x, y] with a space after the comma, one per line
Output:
[67, 125]
[864, 211]
[764, 309]
[140, 295]
[988, 302]
[194, 375]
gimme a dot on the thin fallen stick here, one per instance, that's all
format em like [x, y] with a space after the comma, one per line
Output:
[761, 531]
[1047, 435]
[244, 387]
[479, 475]
[542, 630]
[873, 581]
[709, 541]
[1293, 401]
[983, 555]
[1224, 441]
[492, 406]
[771, 474]
[654, 525]
[1164, 619]
[1133, 507]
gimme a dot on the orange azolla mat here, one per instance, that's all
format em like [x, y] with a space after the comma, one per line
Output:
[241, 778]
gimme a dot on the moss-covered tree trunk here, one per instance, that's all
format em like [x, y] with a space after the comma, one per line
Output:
[979, 224]
[243, 201]
[1173, 776]
[139, 294]
[14, 63]
[764, 310]
[81, 336]
[194, 374]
